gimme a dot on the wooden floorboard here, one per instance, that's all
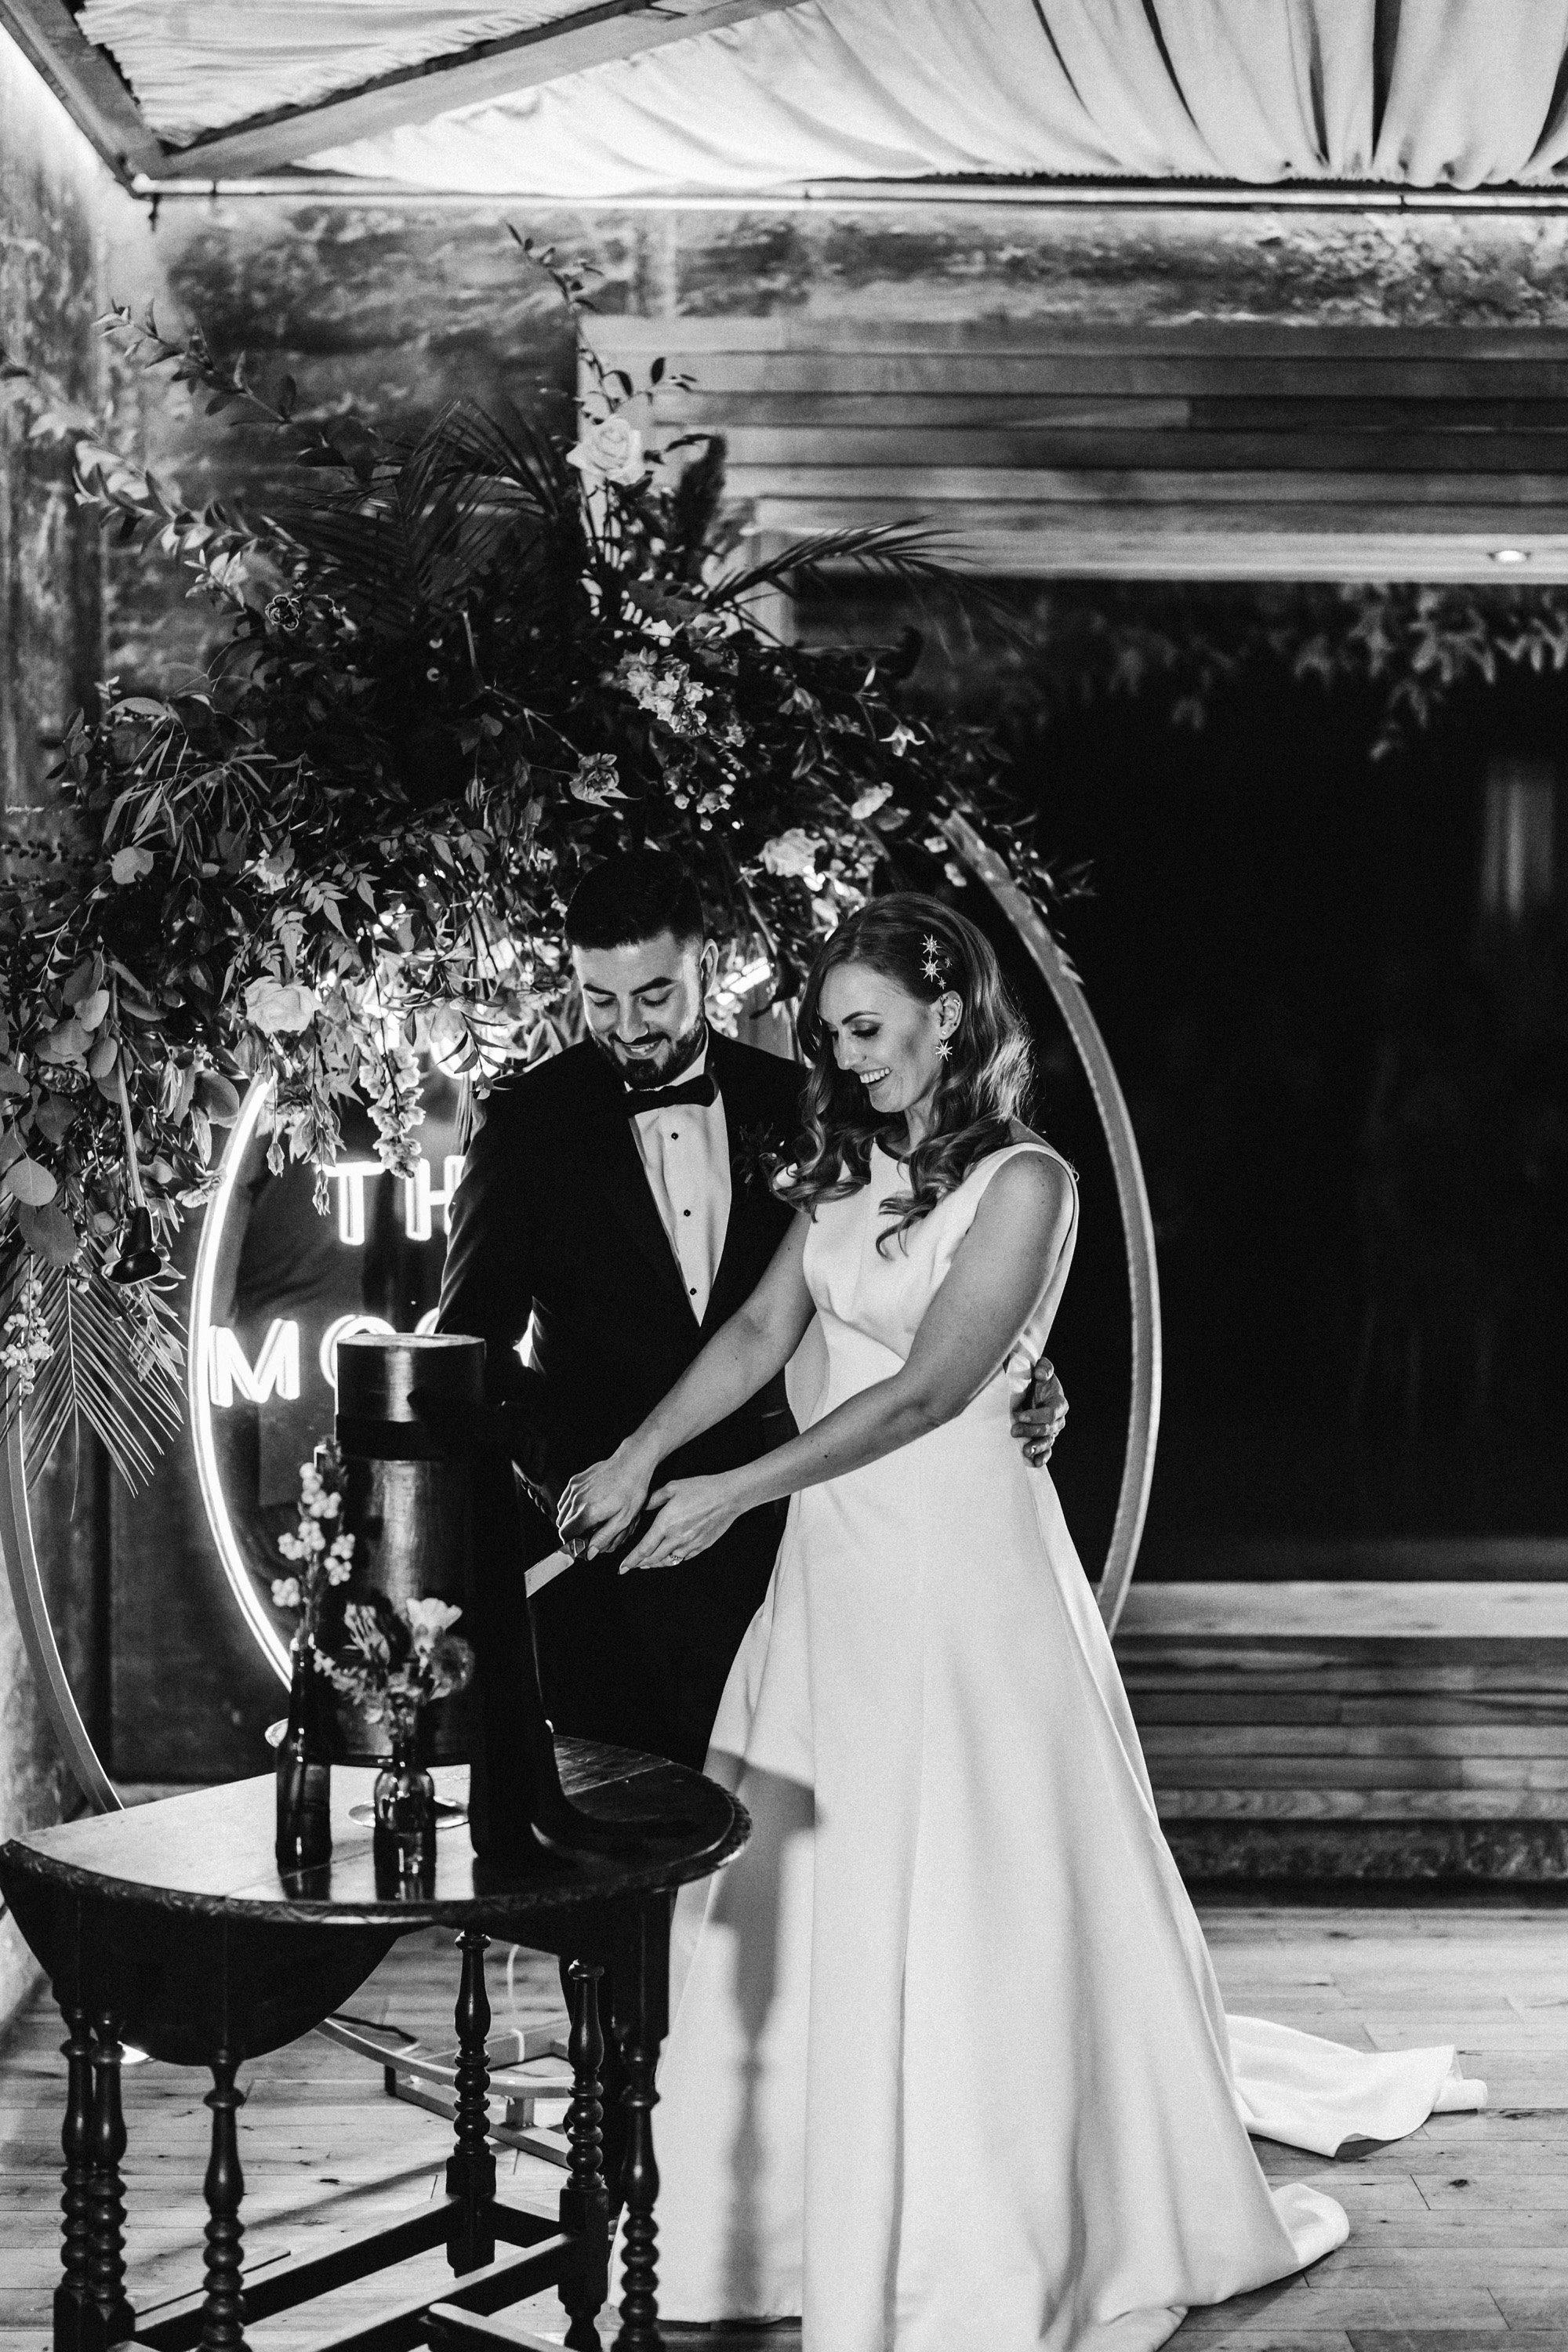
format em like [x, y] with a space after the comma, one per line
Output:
[1458, 2236]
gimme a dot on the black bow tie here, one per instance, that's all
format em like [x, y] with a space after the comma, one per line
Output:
[701, 1091]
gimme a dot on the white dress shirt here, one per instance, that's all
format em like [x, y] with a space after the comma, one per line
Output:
[686, 1159]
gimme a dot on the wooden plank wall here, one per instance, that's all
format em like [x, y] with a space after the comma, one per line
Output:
[1313, 1729]
[1225, 449]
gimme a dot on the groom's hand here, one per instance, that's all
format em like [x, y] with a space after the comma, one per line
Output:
[1038, 1413]
[600, 1506]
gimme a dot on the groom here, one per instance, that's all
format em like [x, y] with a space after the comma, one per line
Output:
[615, 1208]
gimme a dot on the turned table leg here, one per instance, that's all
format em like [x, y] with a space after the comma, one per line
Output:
[73, 2298]
[108, 2318]
[585, 2200]
[471, 2166]
[646, 1967]
[223, 2315]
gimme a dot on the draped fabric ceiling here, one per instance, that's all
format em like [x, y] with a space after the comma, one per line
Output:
[1421, 93]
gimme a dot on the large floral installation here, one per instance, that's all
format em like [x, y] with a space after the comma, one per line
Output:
[454, 670]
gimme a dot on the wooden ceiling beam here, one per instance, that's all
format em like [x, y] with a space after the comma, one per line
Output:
[88, 83]
[605, 34]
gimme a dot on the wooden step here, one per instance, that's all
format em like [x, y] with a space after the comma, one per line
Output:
[1387, 1708]
[1402, 1612]
[1505, 1745]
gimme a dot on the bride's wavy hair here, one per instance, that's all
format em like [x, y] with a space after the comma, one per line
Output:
[929, 952]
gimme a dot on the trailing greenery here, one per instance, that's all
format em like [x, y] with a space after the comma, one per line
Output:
[1182, 645]
[455, 670]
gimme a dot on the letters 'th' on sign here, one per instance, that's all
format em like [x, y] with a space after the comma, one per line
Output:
[351, 1176]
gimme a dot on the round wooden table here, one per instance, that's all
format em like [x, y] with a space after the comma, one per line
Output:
[169, 1924]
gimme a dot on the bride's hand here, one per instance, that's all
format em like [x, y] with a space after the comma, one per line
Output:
[690, 1514]
[602, 1504]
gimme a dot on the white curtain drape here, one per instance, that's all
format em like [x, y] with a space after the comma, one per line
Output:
[196, 65]
[1427, 93]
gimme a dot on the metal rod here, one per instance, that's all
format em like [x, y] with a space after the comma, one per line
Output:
[840, 195]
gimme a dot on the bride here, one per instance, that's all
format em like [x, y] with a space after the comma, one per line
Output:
[947, 2065]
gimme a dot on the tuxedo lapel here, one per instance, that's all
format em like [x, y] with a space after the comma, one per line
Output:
[744, 1126]
[618, 1176]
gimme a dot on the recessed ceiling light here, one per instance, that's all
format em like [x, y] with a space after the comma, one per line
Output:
[1511, 555]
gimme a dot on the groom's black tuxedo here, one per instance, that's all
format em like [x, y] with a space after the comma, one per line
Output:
[554, 1222]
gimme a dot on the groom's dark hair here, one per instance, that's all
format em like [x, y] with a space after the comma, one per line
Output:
[631, 897]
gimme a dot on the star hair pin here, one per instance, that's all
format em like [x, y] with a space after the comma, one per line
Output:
[935, 961]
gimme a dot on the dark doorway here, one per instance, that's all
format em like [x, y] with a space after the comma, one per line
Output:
[1333, 989]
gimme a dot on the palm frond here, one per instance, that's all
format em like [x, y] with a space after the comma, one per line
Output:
[910, 555]
[439, 517]
[507, 448]
[901, 551]
[103, 1373]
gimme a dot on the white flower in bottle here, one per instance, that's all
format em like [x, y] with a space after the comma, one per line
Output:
[428, 1620]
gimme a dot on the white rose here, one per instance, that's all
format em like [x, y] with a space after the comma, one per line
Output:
[793, 853]
[609, 451]
[279, 1006]
[871, 801]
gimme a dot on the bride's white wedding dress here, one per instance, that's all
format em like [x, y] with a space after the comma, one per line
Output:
[948, 2067]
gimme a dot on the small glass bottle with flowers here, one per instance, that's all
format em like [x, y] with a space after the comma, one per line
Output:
[320, 1552]
[396, 1662]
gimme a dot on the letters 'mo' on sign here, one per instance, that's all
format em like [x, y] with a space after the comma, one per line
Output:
[229, 1375]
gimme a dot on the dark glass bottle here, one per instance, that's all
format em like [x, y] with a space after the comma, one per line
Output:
[404, 1841]
[305, 1766]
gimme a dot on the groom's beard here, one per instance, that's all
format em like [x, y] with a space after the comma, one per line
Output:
[641, 1073]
